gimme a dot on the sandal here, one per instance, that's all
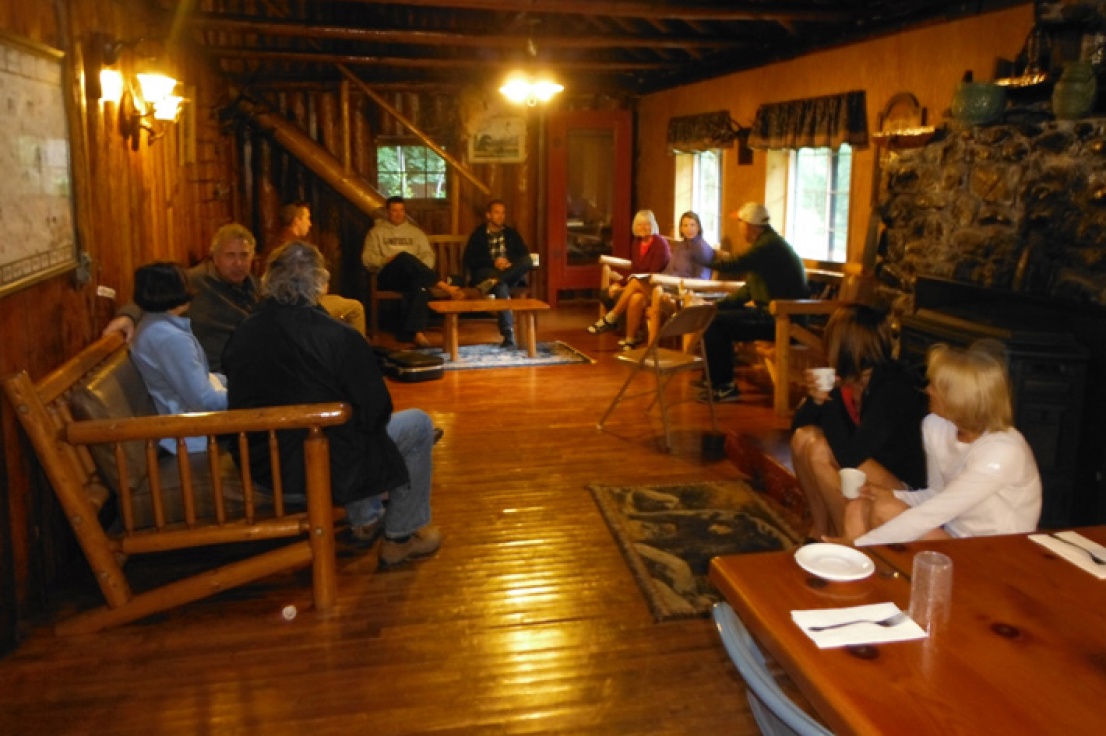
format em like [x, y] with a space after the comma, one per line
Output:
[602, 326]
[628, 344]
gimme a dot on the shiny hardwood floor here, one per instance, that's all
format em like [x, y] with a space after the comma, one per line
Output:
[526, 622]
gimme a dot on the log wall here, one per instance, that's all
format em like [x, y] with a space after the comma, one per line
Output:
[132, 207]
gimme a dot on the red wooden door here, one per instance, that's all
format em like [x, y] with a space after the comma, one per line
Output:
[588, 207]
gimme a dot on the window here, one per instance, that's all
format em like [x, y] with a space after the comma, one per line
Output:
[818, 202]
[699, 189]
[413, 172]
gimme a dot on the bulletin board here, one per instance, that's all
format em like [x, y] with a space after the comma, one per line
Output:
[38, 239]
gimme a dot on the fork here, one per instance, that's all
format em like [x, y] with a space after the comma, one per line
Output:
[1094, 558]
[888, 622]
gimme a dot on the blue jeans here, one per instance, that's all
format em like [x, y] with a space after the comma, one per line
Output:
[509, 279]
[408, 508]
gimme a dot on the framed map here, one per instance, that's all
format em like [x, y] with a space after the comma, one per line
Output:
[36, 203]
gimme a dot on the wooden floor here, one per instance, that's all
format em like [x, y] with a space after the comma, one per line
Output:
[526, 622]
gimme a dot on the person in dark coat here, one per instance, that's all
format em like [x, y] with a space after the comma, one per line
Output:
[497, 260]
[289, 351]
[871, 419]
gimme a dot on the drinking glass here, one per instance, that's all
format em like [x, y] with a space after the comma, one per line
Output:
[931, 589]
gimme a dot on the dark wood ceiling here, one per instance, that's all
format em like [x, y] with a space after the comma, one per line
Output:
[619, 47]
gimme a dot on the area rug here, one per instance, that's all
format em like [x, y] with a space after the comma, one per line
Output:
[492, 356]
[669, 533]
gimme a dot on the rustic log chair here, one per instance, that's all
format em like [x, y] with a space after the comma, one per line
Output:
[449, 251]
[796, 345]
[95, 431]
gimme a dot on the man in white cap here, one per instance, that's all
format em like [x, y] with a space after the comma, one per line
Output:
[772, 271]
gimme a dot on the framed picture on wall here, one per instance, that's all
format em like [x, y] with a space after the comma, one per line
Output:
[500, 139]
[36, 190]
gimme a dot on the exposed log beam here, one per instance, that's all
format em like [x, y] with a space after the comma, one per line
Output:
[427, 140]
[769, 11]
[469, 63]
[439, 38]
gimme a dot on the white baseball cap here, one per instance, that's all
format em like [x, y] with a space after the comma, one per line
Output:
[752, 213]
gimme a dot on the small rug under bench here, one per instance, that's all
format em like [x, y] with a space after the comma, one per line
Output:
[669, 533]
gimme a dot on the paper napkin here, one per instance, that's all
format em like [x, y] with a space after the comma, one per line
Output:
[864, 633]
[1071, 554]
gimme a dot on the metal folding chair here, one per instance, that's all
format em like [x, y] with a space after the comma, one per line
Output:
[664, 363]
[775, 713]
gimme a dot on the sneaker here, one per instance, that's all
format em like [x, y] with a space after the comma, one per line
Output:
[508, 342]
[601, 326]
[422, 543]
[486, 285]
[722, 395]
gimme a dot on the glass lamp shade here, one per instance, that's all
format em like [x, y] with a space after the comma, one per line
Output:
[111, 85]
[156, 87]
[167, 108]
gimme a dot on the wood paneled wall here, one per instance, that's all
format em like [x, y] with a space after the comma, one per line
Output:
[928, 62]
[132, 207]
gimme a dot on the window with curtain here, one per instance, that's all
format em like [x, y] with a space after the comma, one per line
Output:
[817, 136]
[699, 189]
[817, 222]
[697, 142]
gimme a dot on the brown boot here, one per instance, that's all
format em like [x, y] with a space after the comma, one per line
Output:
[422, 543]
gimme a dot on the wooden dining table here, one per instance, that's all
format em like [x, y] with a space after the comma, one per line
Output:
[1022, 650]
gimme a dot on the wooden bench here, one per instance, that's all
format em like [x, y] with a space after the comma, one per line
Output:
[96, 432]
[526, 309]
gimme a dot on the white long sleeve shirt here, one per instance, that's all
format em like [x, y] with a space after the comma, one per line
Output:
[986, 487]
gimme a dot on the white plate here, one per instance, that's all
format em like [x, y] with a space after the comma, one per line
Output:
[834, 561]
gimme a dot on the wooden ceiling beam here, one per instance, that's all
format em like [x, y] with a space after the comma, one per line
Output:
[423, 63]
[768, 11]
[439, 38]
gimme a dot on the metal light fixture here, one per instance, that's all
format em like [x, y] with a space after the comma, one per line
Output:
[522, 89]
[145, 100]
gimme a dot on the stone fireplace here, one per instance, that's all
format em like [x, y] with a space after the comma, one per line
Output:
[1015, 208]
[1001, 231]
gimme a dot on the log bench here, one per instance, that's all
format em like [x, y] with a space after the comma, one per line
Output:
[95, 431]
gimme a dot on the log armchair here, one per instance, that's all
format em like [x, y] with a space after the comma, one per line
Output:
[96, 434]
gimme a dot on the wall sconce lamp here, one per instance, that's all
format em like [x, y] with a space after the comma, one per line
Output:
[521, 89]
[145, 100]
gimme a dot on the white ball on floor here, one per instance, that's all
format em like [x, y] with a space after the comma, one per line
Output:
[289, 613]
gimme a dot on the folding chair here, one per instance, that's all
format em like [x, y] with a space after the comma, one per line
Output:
[775, 713]
[664, 363]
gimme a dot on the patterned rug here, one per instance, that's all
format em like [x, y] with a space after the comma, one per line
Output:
[491, 356]
[669, 533]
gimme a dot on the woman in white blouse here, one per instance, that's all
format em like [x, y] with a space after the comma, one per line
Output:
[981, 474]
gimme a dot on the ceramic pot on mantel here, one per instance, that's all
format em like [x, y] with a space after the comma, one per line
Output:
[1074, 94]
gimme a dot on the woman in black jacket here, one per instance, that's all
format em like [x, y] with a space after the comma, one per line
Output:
[871, 419]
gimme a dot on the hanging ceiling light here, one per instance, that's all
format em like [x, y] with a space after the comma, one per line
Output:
[521, 87]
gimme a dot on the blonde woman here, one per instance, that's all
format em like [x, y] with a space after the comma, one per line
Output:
[982, 477]
[649, 253]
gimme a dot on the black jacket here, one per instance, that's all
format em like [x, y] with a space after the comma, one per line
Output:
[890, 429]
[477, 258]
[283, 355]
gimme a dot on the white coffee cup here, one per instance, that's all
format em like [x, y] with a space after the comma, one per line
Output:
[851, 481]
[826, 377]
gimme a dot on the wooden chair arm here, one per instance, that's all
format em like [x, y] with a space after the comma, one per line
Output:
[295, 416]
[615, 262]
[695, 284]
[789, 307]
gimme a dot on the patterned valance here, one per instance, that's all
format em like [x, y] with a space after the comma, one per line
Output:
[818, 122]
[696, 133]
